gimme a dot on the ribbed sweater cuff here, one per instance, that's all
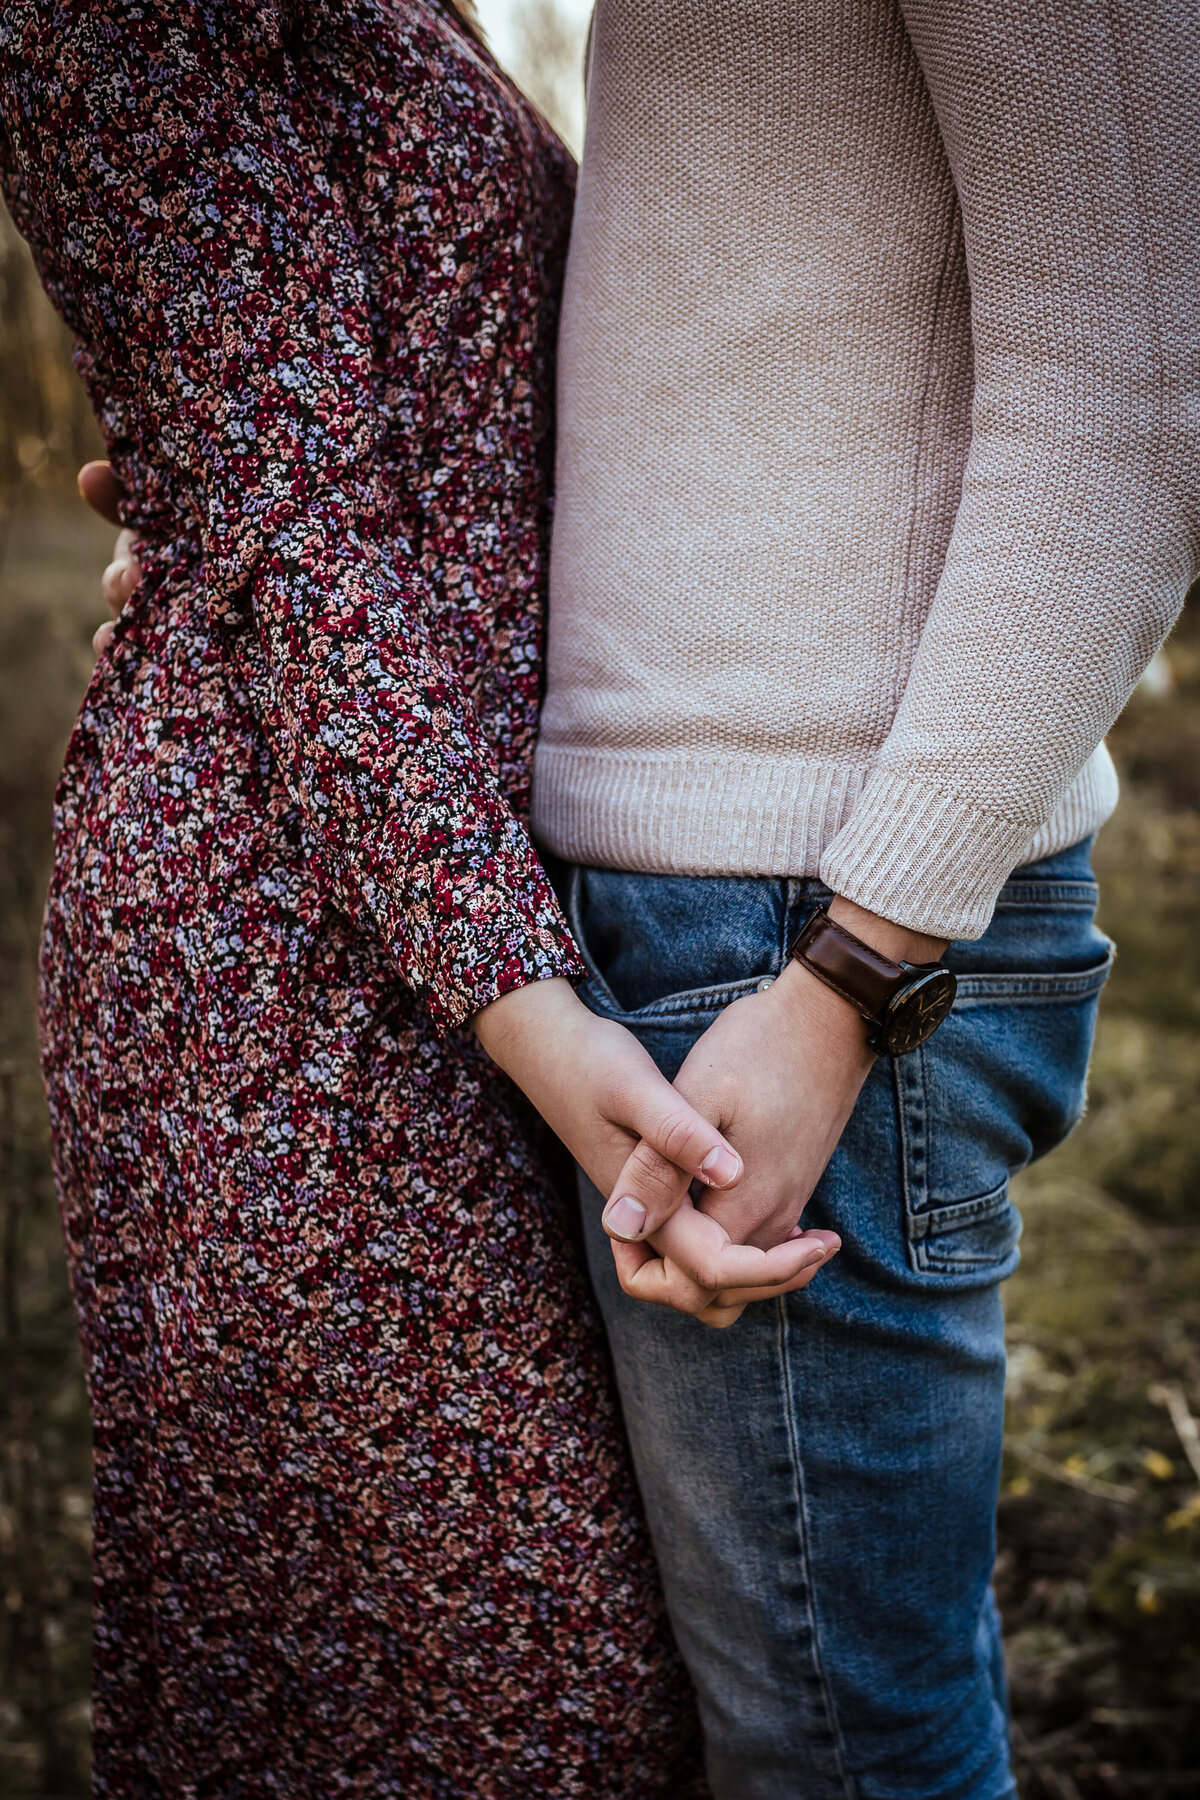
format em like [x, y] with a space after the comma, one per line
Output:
[932, 862]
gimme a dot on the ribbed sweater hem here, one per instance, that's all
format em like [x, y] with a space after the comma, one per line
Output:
[923, 858]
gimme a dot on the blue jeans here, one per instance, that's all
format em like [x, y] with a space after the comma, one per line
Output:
[821, 1479]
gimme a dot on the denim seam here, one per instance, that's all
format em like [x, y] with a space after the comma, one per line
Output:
[700, 1004]
[607, 996]
[1049, 894]
[998, 1267]
[849, 1786]
[959, 1212]
[1033, 989]
[697, 1000]
[912, 1112]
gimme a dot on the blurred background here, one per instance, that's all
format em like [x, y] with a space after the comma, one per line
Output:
[1099, 1564]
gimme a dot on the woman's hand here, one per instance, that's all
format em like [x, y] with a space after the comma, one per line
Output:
[600, 1092]
[102, 491]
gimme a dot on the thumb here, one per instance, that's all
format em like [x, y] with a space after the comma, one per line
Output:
[101, 489]
[678, 1146]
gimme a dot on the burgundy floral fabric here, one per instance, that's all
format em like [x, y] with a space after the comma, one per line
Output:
[364, 1523]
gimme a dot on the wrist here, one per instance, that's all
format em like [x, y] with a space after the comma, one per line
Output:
[897, 942]
[810, 1008]
[898, 983]
[523, 1018]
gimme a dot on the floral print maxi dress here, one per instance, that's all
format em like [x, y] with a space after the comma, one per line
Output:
[364, 1524]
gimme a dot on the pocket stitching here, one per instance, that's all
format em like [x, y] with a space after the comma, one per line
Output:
[1033, 989]
[937, 1219]
[961, 1262]
[1049, 894]
[607, 997]
[921, 1220]
[671, 1009]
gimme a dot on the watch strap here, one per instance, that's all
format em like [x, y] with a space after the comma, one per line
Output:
[851, 968]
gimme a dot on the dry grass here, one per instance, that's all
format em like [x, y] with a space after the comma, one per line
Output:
[1099, 1571]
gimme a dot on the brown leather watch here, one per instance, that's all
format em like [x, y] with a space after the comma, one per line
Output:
[902, 1003]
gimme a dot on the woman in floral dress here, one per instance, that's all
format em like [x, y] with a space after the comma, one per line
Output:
[364, 1524]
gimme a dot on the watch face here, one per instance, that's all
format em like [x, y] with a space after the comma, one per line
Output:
[917, 1010]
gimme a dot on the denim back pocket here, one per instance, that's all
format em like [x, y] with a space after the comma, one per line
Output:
[1004, 1079]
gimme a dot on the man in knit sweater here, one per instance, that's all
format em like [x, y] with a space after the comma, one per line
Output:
[879, 483]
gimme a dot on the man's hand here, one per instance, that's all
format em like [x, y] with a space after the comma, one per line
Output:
[779, 1072]
[102, 491]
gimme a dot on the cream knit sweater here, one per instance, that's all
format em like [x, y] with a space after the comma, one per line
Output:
[879, 414]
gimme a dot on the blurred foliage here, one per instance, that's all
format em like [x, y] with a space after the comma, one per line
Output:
[46, 429]
[50, 554]
[548, 64]
[48, 606]
[1099, 1566]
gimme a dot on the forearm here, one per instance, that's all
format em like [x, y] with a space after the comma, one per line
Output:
[1074, 137]
[198, 225]
[383, 750]
[898, 942]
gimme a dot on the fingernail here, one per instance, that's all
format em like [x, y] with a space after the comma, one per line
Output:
[625, 1218]
[816, 1256]
[720, 1167]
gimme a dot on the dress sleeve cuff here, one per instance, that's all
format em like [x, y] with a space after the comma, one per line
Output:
[464, 932]
[924, 859]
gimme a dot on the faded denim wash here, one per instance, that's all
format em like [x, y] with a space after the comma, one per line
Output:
[821, 1479]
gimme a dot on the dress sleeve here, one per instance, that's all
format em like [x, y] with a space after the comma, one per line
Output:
[1073, 131]
[188, 230]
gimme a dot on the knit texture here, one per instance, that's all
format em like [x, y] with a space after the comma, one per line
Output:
[879, 435]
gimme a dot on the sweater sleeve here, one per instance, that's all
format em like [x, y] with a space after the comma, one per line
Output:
[1073, 131]
[187, 229]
